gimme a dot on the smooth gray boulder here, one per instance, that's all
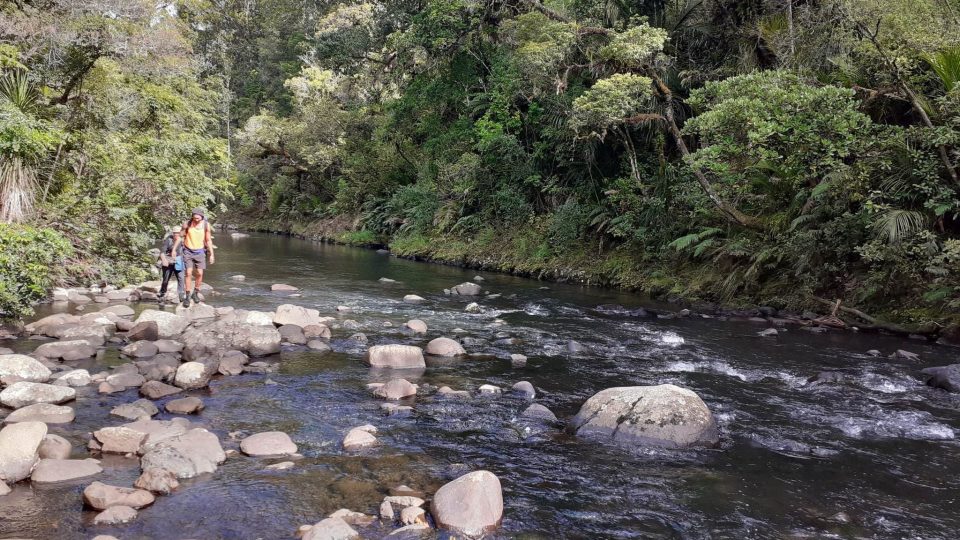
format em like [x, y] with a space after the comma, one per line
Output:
[944, 377]
[50, 471]
[293, 334]
[169, 325]
[144, 331]
[396, 389]
[192, 375]
[187, 405]
[115, 515]
[101, 496]
[525, 389]
[194, 453]
[69, 350]
[443, 346]
[416, 326]
[23, 367]
[664, 415]
[209, 340]
[141, 408]
[358, 438]
[538, 412]
[141, 349]
[54, 447]
[471, 505]
[268, 443]
[466, 289]
[126, 379]
[333, 528]
[19, 450]
[157, 389]
[414, 299]
[296, 315]
[22, 394]
[47, 413]
[395, 357]
[74, 377]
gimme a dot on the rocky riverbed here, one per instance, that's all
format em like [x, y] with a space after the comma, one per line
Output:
[406, 413]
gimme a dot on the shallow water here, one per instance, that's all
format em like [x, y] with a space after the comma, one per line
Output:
[875, 456]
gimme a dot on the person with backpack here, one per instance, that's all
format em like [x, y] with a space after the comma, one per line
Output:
[171, 264]
[196, 245]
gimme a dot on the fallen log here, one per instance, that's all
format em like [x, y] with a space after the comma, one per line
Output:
[929, 330]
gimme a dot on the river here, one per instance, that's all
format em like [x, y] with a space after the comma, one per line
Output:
[873, 456]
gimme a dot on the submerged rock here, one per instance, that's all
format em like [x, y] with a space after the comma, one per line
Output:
[332, 528]
[466, 289]
[49, 471]
[188, 455]
[19, 449]
[159, 481]
[54, 447]
[101, 496]
[396, 389]
[664, 415]
[115, 515]
[471, 505]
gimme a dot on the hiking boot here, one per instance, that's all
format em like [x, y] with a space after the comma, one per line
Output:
[195, 296]
[185, 301]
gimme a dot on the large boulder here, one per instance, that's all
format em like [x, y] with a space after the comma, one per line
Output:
[74, 377]
[300, 316]
[158, 431]
[197, 312]
[466, 289]
[19, 449]
[101, 496]
[332, 528]
[187, 405]
[293, 334]
[23, 367]
[49, 471]
[144, 331]
[67, 350]
[54, 447]
[268, 443]
[159, 481]
[396, 389]
[416, 326]
[39, 326]
[395, 357]
[141, 349]
[22, 394]
[47, 413]
[945, 377]
[191, 375]
[169, 325]
[255, 340]
[442, 346]
[471, 505]
[194, 453]
[120, 440]
[664, 415]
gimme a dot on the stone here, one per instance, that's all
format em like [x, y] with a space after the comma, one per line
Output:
[268, 443]
[120, 310]
[169, 325]
[19, 447]
[300, 316]
[238, 277]
[232, 362]
[414, 299]
[195, 452]
[67, 350]
[416, 326]
[39, 326]
[74, 377]
[331, 529]
[769, 332]
[489, 389]
[160, 481]
[141, 349]
[396, 389]
[393, 409]
[126, 380]
[225, 335]
[359, 337]
[575, 347]
[318, 345]
[282, 287]
[78, 298]
[144, 331]
[120, 440]
[443, 346]
[101, 496]
[664, 415]
[901, 354]
[538, 412]
[471, 505]
[107, 388]
[395, 357]
[466, 289]
[24, 367]
[54, 447]
[256, 318]
[944, 377]
[386, 511]
[4, 489]
[525, 389]
[192, 375]
[282, 466]
[197, 312]
[518, 360]
[47, 413]
[141, 408]
[446, 391]
[157, 389]
[473, 307]
[353, 518]
[293, 334]
[115, 515]
[23, 393]
[168, 346]
[50, 471]
[357, 439]
[316, 331]
[187, 405]
[158, 431]
[413, 514]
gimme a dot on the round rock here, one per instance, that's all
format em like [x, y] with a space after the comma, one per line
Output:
[443, 346]
[269, 443]
[23, 367]
[471, 505]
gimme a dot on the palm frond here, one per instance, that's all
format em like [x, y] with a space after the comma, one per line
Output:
[896, 225]
[946, 64]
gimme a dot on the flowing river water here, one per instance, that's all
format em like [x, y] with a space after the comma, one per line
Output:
[874, 455]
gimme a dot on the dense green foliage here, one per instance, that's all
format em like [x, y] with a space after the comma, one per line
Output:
[30, 262]
[108, 131]
[761, 151]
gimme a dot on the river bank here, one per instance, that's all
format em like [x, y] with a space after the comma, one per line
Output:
[675, 286]
[769, 465]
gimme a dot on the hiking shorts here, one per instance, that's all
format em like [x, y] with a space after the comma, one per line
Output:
[194, 259]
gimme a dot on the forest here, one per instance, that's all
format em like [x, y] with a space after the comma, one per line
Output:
[759, 152]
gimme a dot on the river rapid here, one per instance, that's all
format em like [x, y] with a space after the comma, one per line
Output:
[874, 455]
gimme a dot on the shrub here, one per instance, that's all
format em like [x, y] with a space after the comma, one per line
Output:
[30, 263]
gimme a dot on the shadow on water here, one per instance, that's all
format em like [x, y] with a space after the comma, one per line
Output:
[874, 455]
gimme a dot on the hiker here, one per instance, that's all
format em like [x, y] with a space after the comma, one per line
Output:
[196, 243]
[171, 264]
